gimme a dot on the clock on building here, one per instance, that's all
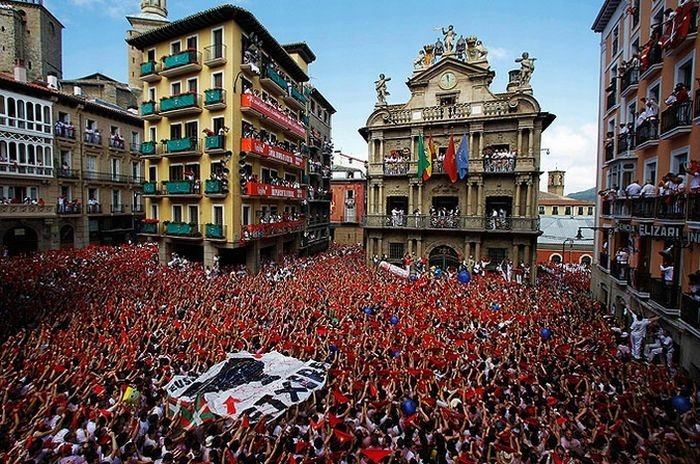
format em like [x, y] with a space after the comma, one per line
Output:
[448, 80]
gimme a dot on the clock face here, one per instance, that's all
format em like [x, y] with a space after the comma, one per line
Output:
[448, 80]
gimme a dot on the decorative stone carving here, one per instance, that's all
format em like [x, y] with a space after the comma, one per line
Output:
[444, 188]
[527, 67]
[382, 90]
[449, 39]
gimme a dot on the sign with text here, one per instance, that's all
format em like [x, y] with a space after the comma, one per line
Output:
[249, 384]
[261, 148]
[248, 100]
[255, 189]
[660, 231]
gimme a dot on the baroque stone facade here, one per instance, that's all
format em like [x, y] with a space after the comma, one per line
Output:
[483, 203]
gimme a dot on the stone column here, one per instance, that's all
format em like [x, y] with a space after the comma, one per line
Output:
[516, 205]
[381, 151]
[520, 142]
[419, 247]
[380, 245]
[531, 142]
[467, 248]
[381, 200]
[481, 144]
[479, 199]
[420, 198]
[410, 199]
[468, 208]
[477, 252]
[528, 199]
[514, 256]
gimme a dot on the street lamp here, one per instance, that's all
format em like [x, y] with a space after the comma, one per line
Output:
[579, 235]
[570, 241]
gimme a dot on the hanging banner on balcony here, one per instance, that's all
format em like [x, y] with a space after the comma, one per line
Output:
[248, 100]
[253, 385]
[263, 149]
[266, 190]
[397, 271]
[664, 231]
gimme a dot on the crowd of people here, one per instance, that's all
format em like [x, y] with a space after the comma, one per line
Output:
[421, 371]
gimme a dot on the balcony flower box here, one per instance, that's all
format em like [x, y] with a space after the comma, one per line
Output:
[213, 186]
[298, 96]
[150, 227]
[214, 142]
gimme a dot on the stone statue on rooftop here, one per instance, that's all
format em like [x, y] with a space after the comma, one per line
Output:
[419, 63]
[439, 49]
[461, 48]
[449, 39]
[527, 67]
[382, 90]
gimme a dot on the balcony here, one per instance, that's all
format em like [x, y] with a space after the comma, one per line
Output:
[609, 151]
[648, 133]
[118, 209]
[22, 210]
[214, 144]
[625, 144]
[117, 143]
[181, 63]
[696, 110]
[188, 146]
[653, 64]
[271, 153]
[619, 272]
[603, 260]
[137, 209]
[135, 148]
[259, 231]
[150, 189]
[665, 294]
[215, 55]
[690, 311]
[397, 168]
[14, 169]
[273, 81]
[92, 137]
[104, 177]
[149, 150]
[271, 115]
[149, 111]
[677, 119]
[149, 71]
[64, 130]
[68, 209]
[182, 230]
[215, 188]
[629, 81]
[499, 165]
[181, 188]
[149, 228]
[65, 173]
[181, 105]
[680, 41]
[215, 99]
[639, 281]
[671, 207]
[643, 207]
[468, 223]
[215, 231]
[294, 98]
[694, 207]
[93, 209]
[255, 189]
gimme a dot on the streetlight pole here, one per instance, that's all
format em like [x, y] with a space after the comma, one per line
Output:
[570, 241]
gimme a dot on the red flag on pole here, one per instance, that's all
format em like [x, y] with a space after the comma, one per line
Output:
[450, 162]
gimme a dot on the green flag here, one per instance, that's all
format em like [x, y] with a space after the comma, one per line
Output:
[423, 163]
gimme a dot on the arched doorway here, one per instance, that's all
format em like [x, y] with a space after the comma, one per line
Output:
[443, 257]
[20, 241]
[67, 237]
[555, 258]
[586, 260]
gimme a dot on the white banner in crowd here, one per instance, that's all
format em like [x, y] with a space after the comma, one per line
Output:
[251, 384]
[401, 272]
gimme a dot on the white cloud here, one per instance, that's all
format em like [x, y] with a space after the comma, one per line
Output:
[572, 149]
[498, 53]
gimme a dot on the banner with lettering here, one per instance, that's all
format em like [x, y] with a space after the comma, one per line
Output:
[251, 385]
[398, 271]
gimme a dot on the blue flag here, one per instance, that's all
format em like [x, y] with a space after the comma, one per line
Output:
[463, 157]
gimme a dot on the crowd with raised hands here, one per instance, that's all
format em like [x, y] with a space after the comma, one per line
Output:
[424, 371]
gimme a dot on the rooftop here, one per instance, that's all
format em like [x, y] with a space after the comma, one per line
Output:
[556, 229]
[551, 199]
[604, 15]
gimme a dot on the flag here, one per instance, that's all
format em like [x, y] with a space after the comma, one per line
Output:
[463, 157]
[341, 436]
[376, 454]
[450, 163]
[423, 162]
[131, 395]
[431, 157]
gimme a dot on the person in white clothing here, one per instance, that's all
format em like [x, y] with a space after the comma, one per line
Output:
[638, 330]
[633, 190]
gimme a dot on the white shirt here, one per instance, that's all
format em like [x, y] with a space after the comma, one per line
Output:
[633, 189]
[666, 272]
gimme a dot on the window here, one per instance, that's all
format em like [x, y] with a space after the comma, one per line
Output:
[191, 129]
[192, 85]
[245, 215]
[590, 211]
[219, 215]
[94, 194]
[116, 199]
[448, 100]
[192, 43]
[217, 38]
[567, 211]
[152, 94]
[496, 255]
[684, 72]
[152, 173]
[540, 210]
[175, 131]
[217, 123]
[91, 163]
[678, 158]
[175, 47]
[654, 91]
[616, 40]
[555, 210]
[114, 167]
[177, 172]
[650, 172]
[217, 80]
[176, 88]
[580, 211]
[151, 54]
[396, 250]
[193, 213]
[136, 171]
[153, 134]
[154, 211]
[177, 213]
[135, 138]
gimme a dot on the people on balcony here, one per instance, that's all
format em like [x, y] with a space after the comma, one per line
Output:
[93, 205]
[633, 190]
[649, 113]
[500, 160]
[64, 129]
[678, 96]
[116, 140]
[649, 189]
[397, 162]
[498, 219]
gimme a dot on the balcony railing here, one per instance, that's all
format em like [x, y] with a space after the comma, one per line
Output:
[452, 222]
[180, 187]
[648, 131]
[64, 130]
[215, 231]
[117, 143]
[26, 210]
[21, 170]
[643, 207]
[214, 143]
[214, 98]
[149, 109]
[271, 114]
[93, 138]
[258, 231]
[137, 208]
[215, 187]
[180, 102]
[298, 96]
[66, 173]
[149, 228]
[639, 279]
[609, 151]
[182, 229]
[181, 59]
[619, 270]
[629, 78]
[255, 189]
[499, 165]
[625, 143]
[665, 293]
[68, 208]
[148, 149]
[274, 76]
[107, 177]
[94, 208]
[215, 55]
[396, 168]
[673, 117]
[148, 68]
[135, 148]
[118, 209]
[690, 310]
[603, 260]
[150, 188]
[671, 207]
[184, 146]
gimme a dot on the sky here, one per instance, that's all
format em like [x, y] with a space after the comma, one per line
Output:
[356, 40]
